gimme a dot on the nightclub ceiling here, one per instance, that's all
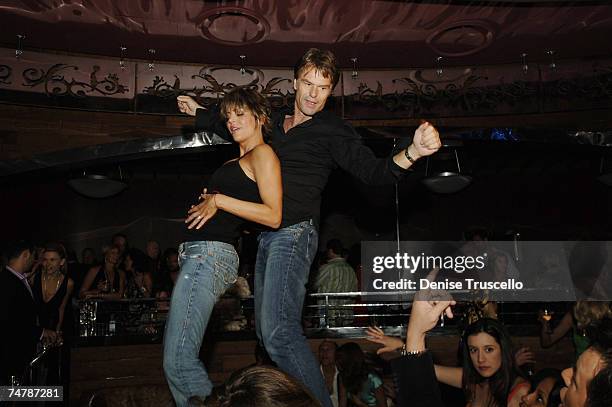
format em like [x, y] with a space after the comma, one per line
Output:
[381, 34]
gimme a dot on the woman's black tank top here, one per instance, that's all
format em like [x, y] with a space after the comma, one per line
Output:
[230, 180]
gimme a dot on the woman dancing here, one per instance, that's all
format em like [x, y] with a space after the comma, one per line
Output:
[246, 188]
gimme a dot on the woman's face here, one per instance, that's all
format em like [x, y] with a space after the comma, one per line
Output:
[153, 249]
[578, 378]
[112, 255]
[485, 353]
[539, 396]
[242, 124]
[128, 263]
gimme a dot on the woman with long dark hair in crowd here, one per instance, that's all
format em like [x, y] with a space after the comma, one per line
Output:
[488, 375]
[139, 281]
[248, 187]
[359, 386]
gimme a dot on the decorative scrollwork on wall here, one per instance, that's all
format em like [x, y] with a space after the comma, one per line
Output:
[467, 96]
[597, 87]
[5, 73]
[212, 90]
[56, 84]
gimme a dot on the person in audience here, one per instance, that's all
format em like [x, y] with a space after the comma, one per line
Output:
[327, 359]
[336, 276]
[359, 386]
[88, 257]
[106, 281]
[168, 274]
[587, 261]
[580, 320]
[263, 386]
[18, 316]
[593, 360]
[153, 258]
[545, 390]
[120, 241]
[599, 392]
[247, 188]
[489, 375]
[52, 289]
[139, 283]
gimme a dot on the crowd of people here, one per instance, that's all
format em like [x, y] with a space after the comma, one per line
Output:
[41, 286]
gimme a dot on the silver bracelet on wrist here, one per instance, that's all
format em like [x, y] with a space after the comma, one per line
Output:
[405, 352]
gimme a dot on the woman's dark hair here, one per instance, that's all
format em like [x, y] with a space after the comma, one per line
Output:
[352, 367]
[598, 390]
[501, 382]
[265, 386]
[554, 398]
[139, 260]
[248, 99]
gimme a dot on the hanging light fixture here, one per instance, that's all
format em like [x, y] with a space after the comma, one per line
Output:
[604, 177]
[151, 64]
[97, 186]
[242, 65]
[19, 48]
[448, 177]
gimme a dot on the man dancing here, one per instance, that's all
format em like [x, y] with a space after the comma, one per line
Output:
[310, 143]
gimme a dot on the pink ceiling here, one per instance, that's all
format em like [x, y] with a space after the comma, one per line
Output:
[274, 33]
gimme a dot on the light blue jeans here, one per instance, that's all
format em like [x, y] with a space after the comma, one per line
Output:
[281, 273]
[207, 269]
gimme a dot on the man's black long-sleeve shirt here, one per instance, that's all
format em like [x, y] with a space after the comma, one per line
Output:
[308, 153]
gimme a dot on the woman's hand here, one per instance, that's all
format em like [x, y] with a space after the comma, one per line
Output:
[201, 213]
[428, 306]
[523, 356]
[389, 343]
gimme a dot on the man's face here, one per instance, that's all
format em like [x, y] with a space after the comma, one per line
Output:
[28, 259]
[172, 262]
[52, 262]
[120, 242]
[327, 353]
[311, 91]
[578, 378]
[88, 256]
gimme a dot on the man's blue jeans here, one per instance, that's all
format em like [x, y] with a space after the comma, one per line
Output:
[281, 273]
[207, 270]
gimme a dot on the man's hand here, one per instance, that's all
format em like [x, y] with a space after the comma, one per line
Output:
[199, 214]
[426, 141]
[187, 105]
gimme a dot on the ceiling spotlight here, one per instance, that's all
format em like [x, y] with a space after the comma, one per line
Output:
[447, 178]
[97, 186]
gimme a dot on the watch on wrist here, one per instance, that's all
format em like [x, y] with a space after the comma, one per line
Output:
[408, 156]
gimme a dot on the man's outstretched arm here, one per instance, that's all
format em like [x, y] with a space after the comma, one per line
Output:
[206, 119]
